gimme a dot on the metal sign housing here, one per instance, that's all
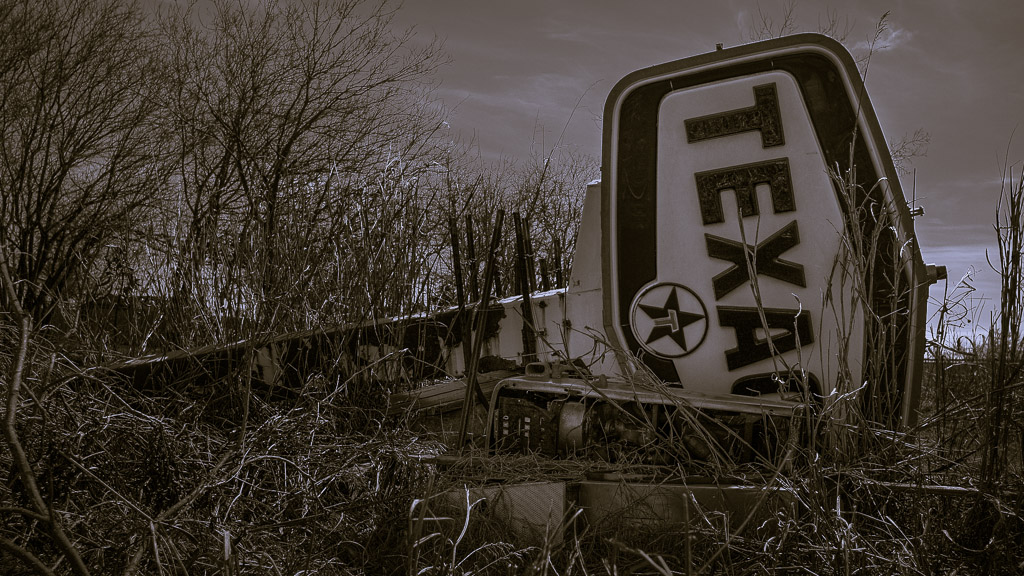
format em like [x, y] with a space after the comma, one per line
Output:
[747, 244]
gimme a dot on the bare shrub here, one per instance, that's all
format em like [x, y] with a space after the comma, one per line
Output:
[299, 132]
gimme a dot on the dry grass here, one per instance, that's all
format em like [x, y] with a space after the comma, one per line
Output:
[158, 485]
[202, 476]
[329, 485]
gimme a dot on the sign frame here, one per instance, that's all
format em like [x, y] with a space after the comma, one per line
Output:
[840, 111]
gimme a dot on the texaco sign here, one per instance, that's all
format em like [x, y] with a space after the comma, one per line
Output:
[724, 225]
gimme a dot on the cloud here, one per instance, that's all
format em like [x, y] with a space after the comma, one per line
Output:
[888, 38]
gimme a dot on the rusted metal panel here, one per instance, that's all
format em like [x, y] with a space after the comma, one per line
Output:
[533, 512]
[632, 504]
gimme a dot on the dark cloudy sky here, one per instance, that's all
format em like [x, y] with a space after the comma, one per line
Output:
[953, 68]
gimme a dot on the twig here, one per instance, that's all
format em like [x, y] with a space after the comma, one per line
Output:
[478, 340]
[525, 271]
[26, 557]
[466, 335]
[18, 453]
[105, 485]
[768, 489]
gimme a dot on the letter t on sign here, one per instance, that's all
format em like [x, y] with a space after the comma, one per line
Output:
[764, 116]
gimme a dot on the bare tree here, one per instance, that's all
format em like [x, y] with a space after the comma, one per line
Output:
[909, 147]
[76, 155]
[285, 118]
[766, 26]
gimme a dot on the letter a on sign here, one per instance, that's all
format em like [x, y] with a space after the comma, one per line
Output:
[724, 232]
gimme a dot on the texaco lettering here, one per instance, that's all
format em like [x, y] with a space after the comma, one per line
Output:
[747, 321]
[767, 259]
[763, 116]
[743, 179]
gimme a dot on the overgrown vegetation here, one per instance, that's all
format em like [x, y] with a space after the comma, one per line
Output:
[215, 173]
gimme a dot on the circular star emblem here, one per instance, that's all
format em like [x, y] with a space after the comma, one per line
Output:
[669, 320]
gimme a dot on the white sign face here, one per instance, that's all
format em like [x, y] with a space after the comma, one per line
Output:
[781, 195]
[725, 226]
